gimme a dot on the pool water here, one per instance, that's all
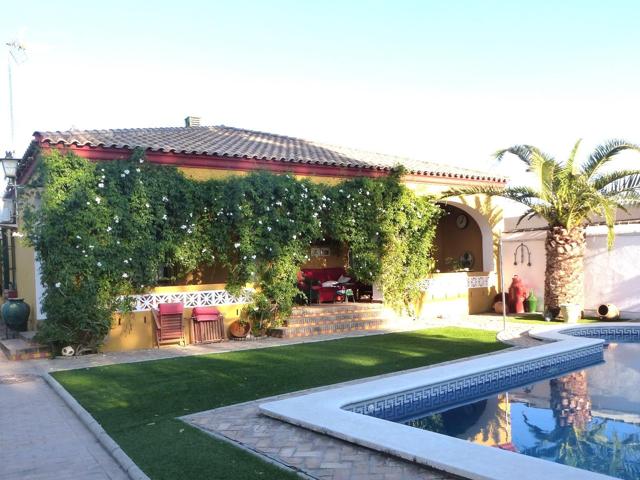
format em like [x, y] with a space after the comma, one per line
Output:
[588, 419]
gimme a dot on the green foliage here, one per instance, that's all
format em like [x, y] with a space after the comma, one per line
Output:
[566, 194]
[106, 230]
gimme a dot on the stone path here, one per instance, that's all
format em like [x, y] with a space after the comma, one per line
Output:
[314, 455]
[41, 439]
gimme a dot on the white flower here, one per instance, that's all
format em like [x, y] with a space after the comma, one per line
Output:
[141, 160]
[165, 199]
[183, 227]
[122, 175]
[259, 222]
[255, 309]
[78, 237]
[88, 203]
[294, 237]
[138, 170]
[164, 217]
[101, 185]
[116, 219]
[17, 234]
[253, 256]
[99, 264]
[126, 172]
[58, 284]
[147, 205]
[118, 242]
[126, 261]
[90, 246]
[236, 245]
[244, 258]
[108, 229]
[125, 275]
[191, 215]
[189, 230]
[269, 229]
[204, 250]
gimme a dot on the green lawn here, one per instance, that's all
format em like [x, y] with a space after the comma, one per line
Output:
[137, 403]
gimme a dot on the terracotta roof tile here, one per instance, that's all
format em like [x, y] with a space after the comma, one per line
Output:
[234, 142]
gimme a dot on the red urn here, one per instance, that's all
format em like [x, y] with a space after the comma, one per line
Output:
[517, 295]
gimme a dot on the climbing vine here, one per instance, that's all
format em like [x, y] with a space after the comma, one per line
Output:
[106, 230]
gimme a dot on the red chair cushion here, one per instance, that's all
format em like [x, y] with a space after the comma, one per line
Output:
[170, 308]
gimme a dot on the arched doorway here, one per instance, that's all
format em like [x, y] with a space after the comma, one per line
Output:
[459, 242]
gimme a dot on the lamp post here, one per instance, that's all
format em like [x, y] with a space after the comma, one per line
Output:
[9, 168]
[504, 300]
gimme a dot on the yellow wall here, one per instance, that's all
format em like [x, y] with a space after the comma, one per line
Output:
[137, 330]
[456, 299]
[203, 174]
[26, 277]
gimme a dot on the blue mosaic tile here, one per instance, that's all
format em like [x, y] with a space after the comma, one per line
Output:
[454, 392]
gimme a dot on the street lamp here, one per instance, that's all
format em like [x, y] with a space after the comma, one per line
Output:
[10, 170]
[10, 167]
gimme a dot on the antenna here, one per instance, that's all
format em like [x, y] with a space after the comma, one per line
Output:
[17, 55]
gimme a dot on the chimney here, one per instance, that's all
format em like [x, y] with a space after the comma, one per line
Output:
[192, 121]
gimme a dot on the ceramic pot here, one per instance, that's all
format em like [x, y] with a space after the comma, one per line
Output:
[608, 312]
[15, 313]
[239, 329]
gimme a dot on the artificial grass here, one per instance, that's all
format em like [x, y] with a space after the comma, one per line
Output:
[137, 404]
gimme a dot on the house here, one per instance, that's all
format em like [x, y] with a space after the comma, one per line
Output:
[465, 237]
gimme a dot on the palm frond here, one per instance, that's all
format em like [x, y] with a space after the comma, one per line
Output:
[618, 182]
[461, 192]
[525, 153]
[605, 153]
[570, 166]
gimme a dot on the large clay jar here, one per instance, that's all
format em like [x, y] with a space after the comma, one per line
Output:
[608, 312]
[15, 313]
[517, 295]
[239, 329]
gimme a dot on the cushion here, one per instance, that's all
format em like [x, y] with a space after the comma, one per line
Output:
[329, 283]
[170, 308]
[343, 279]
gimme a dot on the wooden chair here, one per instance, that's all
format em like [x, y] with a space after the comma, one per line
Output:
[169, 323]
[207, 325]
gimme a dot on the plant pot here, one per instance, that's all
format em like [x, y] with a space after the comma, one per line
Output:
[15, 313]
[531, 303]
[570, 312]
[608, 312]
[239, 329]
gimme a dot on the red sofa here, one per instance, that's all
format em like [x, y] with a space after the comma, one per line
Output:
[312, 278]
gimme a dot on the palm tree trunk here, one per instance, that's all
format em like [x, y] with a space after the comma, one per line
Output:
[564, 273]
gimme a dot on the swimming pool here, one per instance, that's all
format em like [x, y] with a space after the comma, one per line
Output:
[361, 413]
[588, 418]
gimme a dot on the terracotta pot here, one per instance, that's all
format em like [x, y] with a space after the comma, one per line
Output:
[608, 312]
[239, 329]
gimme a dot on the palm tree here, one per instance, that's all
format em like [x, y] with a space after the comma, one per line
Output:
[569, 197]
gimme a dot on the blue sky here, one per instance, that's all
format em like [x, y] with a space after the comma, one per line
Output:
[446, 81]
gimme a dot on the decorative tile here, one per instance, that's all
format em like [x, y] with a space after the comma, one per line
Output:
[402, 406]
[205, 298]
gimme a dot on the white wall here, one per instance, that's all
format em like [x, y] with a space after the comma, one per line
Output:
[533, 276]
[611, 276]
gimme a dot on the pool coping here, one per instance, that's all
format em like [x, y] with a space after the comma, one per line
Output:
[324, 412]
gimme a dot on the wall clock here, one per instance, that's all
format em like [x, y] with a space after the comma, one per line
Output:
[462, 221]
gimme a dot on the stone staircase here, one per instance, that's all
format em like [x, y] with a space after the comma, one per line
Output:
[327, 319]
[23, 347]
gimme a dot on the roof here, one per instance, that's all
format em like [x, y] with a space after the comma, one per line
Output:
[223, 141]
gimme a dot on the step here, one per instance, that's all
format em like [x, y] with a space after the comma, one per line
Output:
[20, 349]
[327, 329]
[332, 309]
[330, 319]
